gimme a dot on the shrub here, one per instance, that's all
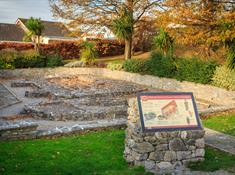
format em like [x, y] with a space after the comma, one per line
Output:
[224, 77]
[29, 59]
[7, 57]
[109, 47]
[53, 61]
[88, 52]
[162, 66]
[10, 59]
[135, 66]
[195, 70]
[4, 65]
[115, 65]
[66, 50]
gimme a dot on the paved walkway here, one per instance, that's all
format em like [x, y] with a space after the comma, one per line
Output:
[220, 141]
[19, 92]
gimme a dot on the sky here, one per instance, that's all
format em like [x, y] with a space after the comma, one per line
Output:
[10, 10]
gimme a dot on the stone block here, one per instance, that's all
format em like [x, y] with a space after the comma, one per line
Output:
[149, 165]
[183, 155]
[131, 143]
[164, 166]
[138, 156]
[200, 143]
[170, 156]
[157, 156]
[144, 147]
[195, 134]
[199, 152]
[162, 147]
[177, 145]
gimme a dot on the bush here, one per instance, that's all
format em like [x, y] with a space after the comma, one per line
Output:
[135, 66]
[7, 58]
[54, 61]
[115, 65]
[88, 52]
[195, 70]
[162, 66]
[10, 59]
[29, 59]
[109, 47]
[224, 77]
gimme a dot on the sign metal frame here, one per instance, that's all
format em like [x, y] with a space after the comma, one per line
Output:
[168, 128]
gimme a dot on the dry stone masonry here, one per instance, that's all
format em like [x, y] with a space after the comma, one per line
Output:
[63, 105]
[161, 152]
[79, 98]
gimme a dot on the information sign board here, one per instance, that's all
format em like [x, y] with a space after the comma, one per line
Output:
[168, 111]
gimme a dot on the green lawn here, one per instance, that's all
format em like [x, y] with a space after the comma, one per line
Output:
[215, 160]
[92, 153]
[225, 124]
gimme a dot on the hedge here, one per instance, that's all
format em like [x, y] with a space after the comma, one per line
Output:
[27, 59]
[68, 50]
[183, 69]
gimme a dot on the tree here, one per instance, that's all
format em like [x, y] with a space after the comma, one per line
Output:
[200, 22]
[113, 14]
[35, 28]
[123, 28]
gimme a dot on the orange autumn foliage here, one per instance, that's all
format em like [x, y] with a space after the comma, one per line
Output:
[199, 22]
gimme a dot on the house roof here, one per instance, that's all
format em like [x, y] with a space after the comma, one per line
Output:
[11, 32]
[51, 28]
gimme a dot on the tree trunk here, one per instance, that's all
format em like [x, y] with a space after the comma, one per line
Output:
[37, 44]
[128, 48]
[128, 42]
[35, 41]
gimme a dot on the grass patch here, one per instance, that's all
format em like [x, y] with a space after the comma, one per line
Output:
[225, 124]
[91, 153]
[215, 160]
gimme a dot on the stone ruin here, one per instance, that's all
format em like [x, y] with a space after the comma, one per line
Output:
[68, 104]
[62, 105]
[80, 98]
[161, 152]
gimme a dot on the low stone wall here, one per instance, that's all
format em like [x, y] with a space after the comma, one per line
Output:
[205, 92]
[24, 130]
[17, 130]
[161, 152]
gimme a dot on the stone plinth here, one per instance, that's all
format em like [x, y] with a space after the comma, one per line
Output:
[160, 152]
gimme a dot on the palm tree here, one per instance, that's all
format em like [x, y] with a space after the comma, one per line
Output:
[123, 29]
[164, 42]
[35, 27]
